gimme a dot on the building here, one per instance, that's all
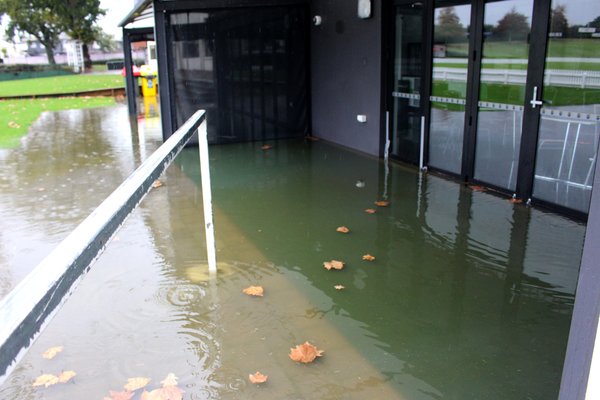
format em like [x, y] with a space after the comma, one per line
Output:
[504, 94]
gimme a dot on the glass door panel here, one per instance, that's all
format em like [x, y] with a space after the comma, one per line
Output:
[505, 50]
[408, 69]
[570, 116]
[449, 84]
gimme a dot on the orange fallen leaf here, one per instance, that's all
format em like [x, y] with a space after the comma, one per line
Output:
[368, 257]
[45, 380]
[254, 291]
[370, 211]
[136, 383]
[52, 352]
[514, 200]
[266, 147]
[66, 376]
[305, 353]
[343, 229]
[165, 393]
[476, 188]
[170, 380]
[258, 377]
[157, 184]
[333, 264]
[119, 395]
[339, 287]
[382, 203]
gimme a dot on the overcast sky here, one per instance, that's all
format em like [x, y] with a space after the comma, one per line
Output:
[116, 10]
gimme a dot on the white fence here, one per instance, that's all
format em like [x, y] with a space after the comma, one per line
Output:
[552, 77]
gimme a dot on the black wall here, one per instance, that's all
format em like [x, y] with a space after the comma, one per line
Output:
[346, 74]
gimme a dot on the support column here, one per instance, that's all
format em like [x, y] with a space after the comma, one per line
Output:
[584, 324]
[130, 80]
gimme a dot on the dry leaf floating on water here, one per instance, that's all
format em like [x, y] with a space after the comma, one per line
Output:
[370, 211]
[368, 257]
[266, 147]
[119, 395]
[258, 378]
[515, 200]
[305, 353]
[382, 203]
[157, 184]
[164, 393]
[45, 380]
[254, 291]
[170, 380]
[136, 383]
[343, 229]
[66, 376]
[52, 352]
[333, 264]
[339, 287]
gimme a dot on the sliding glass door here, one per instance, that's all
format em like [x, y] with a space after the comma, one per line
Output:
[569, 128]
[449, 84]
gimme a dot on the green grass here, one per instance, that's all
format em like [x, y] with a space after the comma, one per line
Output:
[16, 116]
[514, 94]
[60, 84]
[550, 65]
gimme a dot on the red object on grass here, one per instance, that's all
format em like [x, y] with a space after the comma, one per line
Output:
[136, 71]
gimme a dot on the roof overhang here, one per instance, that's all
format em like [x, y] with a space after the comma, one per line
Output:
[143, 10]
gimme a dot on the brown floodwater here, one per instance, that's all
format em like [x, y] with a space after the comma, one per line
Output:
[469, 296]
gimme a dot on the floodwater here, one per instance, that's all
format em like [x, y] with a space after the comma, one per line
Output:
[469, 296]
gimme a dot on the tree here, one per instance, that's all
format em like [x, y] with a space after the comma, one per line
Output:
[513, 26]
[78, 19]
[558, 21]
[449, 28]
[595, 23]
[36, 17]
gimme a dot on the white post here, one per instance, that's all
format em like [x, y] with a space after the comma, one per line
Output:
[422, 147]
[207, 198]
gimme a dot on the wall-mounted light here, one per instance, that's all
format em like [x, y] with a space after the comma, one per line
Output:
[364, 9]
[317, 20]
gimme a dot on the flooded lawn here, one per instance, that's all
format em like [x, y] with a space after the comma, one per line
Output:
[468, 297]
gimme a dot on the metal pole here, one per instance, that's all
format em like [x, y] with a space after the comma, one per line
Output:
[422, 149]
[207, 198]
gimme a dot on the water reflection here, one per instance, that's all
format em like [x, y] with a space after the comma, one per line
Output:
[469, 295]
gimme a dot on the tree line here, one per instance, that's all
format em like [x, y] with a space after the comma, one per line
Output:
[47, 19]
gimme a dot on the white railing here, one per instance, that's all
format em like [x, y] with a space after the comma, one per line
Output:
[552, 77]
[26, 310]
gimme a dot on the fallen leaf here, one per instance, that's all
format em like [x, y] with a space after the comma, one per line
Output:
[311, 138]
[136, 383]
[368, 257]
[66, 376]
[514, 200]
[165, 393]
[14, 125]
[170, 380]
[254, 291]
[305, 353]
[339, 287]
[382, 203]
[258, 377]
[266, 147]
[343, 229]
[119, 395]
[370, 211]
[157, 184]
[52, 351]
[476, 188]
[333, 264]
[45, 380]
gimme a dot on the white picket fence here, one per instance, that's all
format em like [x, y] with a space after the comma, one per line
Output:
[552, 77]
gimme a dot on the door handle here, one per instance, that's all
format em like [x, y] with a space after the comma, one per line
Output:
[534, 101]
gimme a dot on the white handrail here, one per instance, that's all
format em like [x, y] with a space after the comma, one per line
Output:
[33, 302]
